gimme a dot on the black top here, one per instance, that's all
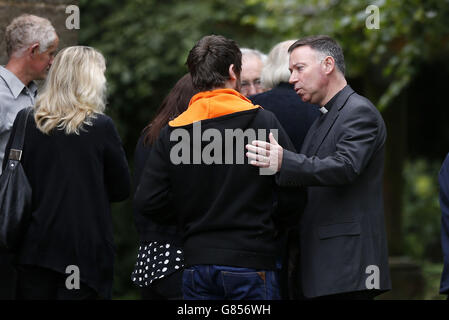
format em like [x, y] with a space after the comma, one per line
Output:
[146, 227]
[228, 212]
[295, 115]
[73, 178]
[159, 253]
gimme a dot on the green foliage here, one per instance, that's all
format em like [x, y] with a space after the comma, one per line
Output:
[422, 213]
[146, 44]
[432, 277]
[410, 32]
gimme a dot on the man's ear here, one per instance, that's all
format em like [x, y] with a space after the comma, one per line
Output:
[328, 64]
[33, 49]
[232, 74]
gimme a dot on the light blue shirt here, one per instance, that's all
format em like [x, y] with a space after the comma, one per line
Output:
[14, 96]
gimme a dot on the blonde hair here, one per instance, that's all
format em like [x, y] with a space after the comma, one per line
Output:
[74, 91]
[275, 69]
[26, 30]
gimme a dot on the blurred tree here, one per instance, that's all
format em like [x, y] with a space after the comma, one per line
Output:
[422, 215]
[146, 43]
[410, 32]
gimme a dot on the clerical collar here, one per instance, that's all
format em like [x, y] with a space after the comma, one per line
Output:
[324, 110]
[328, 106]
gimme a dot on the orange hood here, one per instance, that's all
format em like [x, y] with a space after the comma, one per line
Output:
[212, 104]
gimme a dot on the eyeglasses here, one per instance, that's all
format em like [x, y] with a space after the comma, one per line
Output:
[247, 84]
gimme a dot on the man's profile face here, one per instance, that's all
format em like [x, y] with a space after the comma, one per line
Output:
[307, 74]
[250, 75]
[42, 61]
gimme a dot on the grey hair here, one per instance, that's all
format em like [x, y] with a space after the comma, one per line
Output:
[254, 52]
[276, 69]
[325, 46]
[26, 30]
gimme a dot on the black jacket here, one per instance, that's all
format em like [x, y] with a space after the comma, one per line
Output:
[342, 230]
[73, 178]
[228, 213]
[148, 229]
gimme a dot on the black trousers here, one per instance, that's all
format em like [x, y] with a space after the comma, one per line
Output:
[8, 277]
[167, 288]
[37, 283]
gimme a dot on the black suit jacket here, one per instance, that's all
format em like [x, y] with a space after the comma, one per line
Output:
[342, 231]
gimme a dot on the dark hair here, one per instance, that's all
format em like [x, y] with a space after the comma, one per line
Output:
[323, 44]
[209, 61]
[175, 103]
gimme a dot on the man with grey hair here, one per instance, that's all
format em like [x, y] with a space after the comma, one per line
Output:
[31, 43]
[252, 64]
[343, 245]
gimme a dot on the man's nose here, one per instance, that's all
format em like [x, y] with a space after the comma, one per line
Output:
[252, 89]
[292, 79]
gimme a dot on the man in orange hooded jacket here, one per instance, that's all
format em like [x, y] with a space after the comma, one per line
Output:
[231, 214]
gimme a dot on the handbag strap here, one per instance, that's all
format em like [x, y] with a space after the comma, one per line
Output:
[15, 152]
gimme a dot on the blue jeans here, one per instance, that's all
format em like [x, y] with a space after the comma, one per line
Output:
[212, 282]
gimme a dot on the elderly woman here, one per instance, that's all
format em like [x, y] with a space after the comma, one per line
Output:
[76, 165]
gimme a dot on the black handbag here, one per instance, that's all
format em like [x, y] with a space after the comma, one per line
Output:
[15, 192]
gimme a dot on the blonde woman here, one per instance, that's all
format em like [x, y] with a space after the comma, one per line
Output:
[76, 165]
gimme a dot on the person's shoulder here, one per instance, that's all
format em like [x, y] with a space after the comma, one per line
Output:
[101, 125]
[446, 162]
[265, 114]
[357, 103]
[266, 118]
[360, 100]
[3, 76]
[22, 112]
[102, 120]
[443, 175]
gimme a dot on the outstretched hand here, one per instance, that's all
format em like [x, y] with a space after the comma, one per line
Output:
[265, 154]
